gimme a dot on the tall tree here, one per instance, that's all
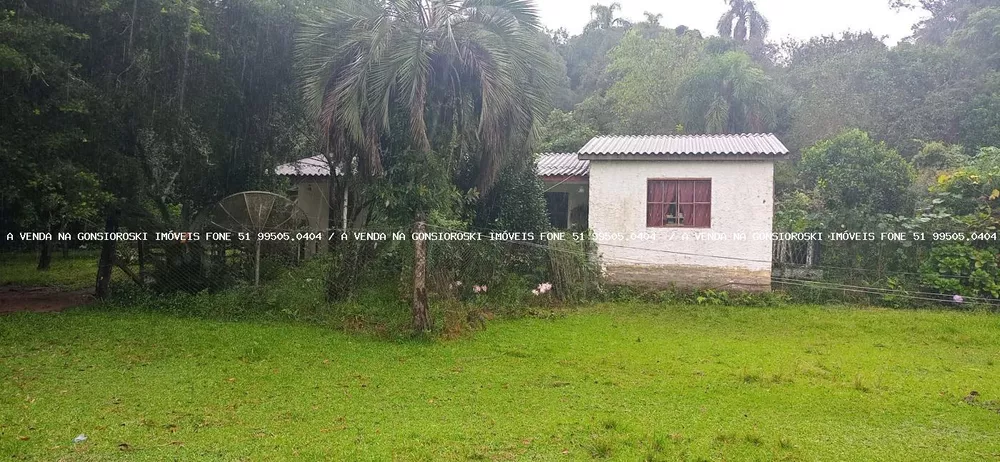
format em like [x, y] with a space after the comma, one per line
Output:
[837, 82]
[448, 82]
[650, 27]
[980, 37]
[167, 104]
[728, 94]
[47, 151]
[652, 19]
[946, 17]
[743, 23]
[648, 72]
[602, 17]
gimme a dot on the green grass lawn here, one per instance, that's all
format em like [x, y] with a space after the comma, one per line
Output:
[613, 381]
[77, 271]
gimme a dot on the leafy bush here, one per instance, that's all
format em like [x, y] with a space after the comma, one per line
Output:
[854, 175]
[972, 191]
[937, 156]
[963, 270]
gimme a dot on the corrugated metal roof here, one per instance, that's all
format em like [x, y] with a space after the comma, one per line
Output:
[310, 166]
[764, 144]
[549, 164]
[577, 164]
[562, 164]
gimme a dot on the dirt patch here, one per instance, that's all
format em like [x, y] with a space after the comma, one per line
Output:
[41, 299]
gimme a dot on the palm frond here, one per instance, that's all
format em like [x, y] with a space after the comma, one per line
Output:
[725, 25]
[463, 73]
[524, 11]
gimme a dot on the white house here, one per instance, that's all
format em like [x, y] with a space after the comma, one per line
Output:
[681, 210]
[688, 211]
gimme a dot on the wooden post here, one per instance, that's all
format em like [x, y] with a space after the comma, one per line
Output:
[256, 265]
[107, 262]
[142, 261]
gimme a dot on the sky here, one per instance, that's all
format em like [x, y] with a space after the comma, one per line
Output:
[799, 19]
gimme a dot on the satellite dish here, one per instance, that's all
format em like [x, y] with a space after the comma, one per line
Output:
[255, 213]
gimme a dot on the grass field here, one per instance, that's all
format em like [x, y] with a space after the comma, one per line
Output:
[77, 271]
[622, 382]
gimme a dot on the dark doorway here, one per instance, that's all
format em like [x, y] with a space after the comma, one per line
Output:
[557, 204]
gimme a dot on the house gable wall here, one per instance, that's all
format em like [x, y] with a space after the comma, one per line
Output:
[742, 202]
[312, 197]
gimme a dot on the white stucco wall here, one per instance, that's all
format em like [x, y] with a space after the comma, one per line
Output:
[742, 202]
[312, 199]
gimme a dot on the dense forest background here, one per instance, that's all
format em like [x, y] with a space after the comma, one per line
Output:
[142, 113]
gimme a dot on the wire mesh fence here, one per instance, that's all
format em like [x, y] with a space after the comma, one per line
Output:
[462, 264]
[190, 264]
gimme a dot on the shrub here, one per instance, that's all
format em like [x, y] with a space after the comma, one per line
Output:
[626, 294]
[854, 175]
[573, 269]
[962, 269]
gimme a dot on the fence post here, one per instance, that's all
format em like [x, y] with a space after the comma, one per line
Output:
[107, 262]
[141, 254]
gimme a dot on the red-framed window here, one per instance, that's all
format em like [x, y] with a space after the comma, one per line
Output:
[679, 203]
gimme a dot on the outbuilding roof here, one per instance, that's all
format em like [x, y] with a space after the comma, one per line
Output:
[562, 164]
[764, 145]
[310, 166]
[549, 164]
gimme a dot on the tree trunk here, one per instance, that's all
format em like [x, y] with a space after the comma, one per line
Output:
[344, 208]
[107, 262]
[45, 256]
[418, 131]
[421, 317]
[131, 28]
[182, 82]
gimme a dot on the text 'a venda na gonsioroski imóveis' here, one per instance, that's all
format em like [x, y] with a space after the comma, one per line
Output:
[671, 234]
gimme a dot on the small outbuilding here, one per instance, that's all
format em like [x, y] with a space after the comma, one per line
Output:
[680, 210]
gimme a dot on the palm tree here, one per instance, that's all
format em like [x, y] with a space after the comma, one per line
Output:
[603, 17]
[651, 26]
[653, 19]
[728, 94]
[743, 23]
[440, 78]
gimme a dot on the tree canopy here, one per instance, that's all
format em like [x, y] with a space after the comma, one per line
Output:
[149, 111]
